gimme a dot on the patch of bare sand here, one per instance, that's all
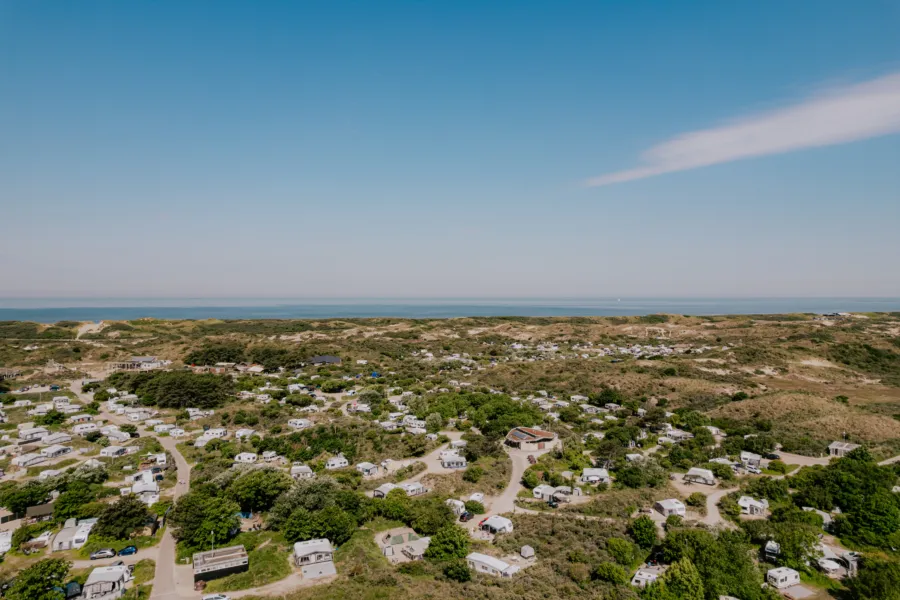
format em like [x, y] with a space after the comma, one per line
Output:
[716, 371]
[818, 362]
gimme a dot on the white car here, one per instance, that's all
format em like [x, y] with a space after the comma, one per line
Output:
[215, 597]
[754, 470]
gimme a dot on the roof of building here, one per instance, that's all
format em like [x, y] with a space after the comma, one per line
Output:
[843, 446]
[41, 510]
[698, 472]
[325, 359]
[220, 555]
[106, 574]
[497, 522]
[591, 472]
[528, 434]
[494, 563]
[312, 547]
[671, 503]
[384, 488]
[782, 571]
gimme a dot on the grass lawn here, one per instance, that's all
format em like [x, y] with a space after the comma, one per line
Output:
[267, 565]
[144, 571]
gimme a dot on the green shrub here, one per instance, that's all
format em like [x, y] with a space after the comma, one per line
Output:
[697, 499]
[611, 573]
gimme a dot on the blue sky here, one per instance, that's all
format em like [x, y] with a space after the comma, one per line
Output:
[365, 149]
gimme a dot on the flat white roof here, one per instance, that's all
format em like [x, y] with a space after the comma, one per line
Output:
[595, 473]
[497, 522]
[312, 547]
[106, 574]
[494, 563]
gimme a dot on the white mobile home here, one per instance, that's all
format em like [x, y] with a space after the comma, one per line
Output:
[782, 577]
[315, 558]
[593, 476]
[482, 563]
[698, 475]
[669, 507]
[336, 462]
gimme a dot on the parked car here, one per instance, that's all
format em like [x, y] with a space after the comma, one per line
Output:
[128, 550]
[103, 553]
[772, 456]
[466, 516]
[553, 503]
[754, 470]
[215, 597]
[118, 563]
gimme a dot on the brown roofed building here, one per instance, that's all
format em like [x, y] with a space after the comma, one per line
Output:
[527, 438]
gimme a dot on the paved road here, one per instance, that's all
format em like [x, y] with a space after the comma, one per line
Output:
[171, 580]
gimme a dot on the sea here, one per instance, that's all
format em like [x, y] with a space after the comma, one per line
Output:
[47, 310]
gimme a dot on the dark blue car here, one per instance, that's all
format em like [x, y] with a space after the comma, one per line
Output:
[128, 550]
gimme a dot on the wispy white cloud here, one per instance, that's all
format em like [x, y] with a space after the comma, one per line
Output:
[840, 115]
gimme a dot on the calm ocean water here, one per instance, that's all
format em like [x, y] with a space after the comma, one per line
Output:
[120, 309]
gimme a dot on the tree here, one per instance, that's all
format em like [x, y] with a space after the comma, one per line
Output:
[332, 386]
[299, 526]
[121, 519]
[69, 504]
[53, 417]
[798, 543]
[621, 550]
[428, 516]
[198, 519]
[128, 428]
[180, 389]
[530, 479]
[334, 524]
[312, 495]
[43, 580]
[258, 489]
[17, 497]
[451, 541]
[878, 579]
[474, 507]
[683, 581]
[875, 518]
[395, 505]
[643, 530]
[434, 422]
[457, 570]
[210, 354]
[611, 573]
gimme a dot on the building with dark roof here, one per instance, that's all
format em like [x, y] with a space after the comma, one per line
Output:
[527, 438]
[325, 359]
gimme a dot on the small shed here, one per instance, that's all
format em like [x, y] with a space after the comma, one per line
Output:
[527, 552]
